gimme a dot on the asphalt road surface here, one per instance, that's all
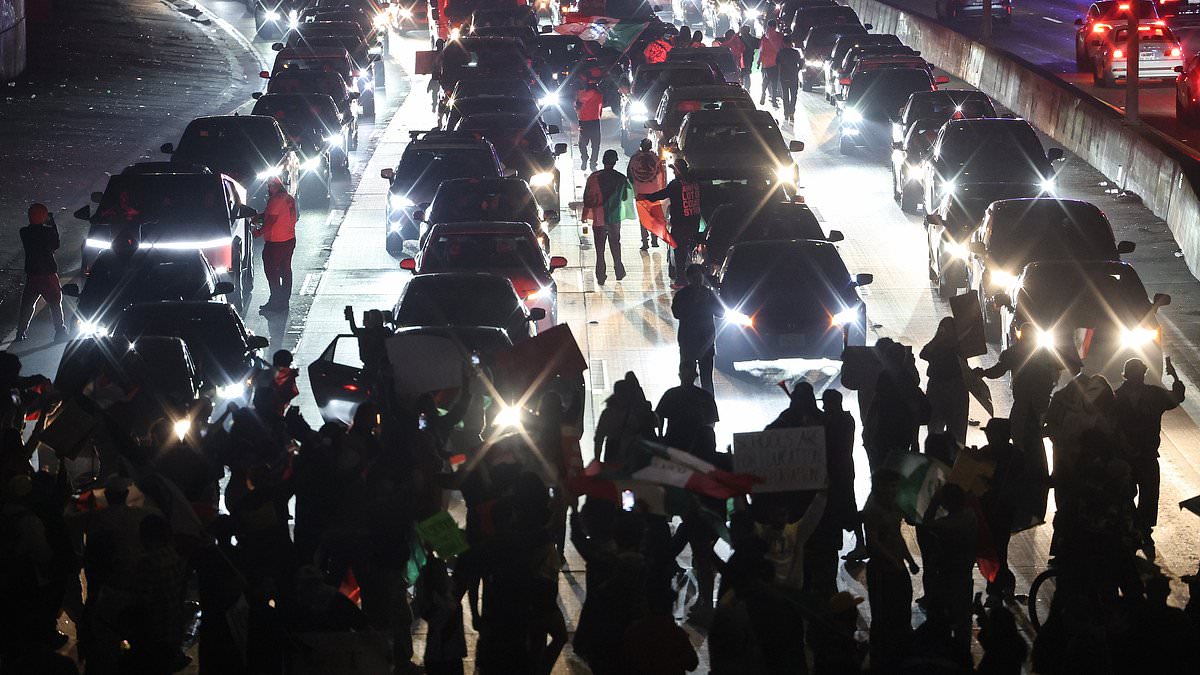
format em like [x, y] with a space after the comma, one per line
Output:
[627, 325]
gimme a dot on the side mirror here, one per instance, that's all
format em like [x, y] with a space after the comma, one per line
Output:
[863, 279]
[652, 125]
[560, 149]
[897, 145]
[545, 28]
[387, 174]
[795, 146]
[557, 262]
[1178, 69]
[1160, 299]
[553, 129]
[83, 213]
[353, 95]
[244, 211]
[1078, 21]
[1124, 247]
[550, 214]
[222, 288]
[933, 219]
[408, 264]
[277, 46]
[256, 95]
[419, 215]
[72, 291]
[257, 342]
[941, 79]
[868, 26]
[835, 236]
[537, 314]
[97, 197]
[1054, 154]
[1003, 300]
[167, 148]
[264, 74]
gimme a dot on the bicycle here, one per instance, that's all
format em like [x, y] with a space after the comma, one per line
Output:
[1041, 595]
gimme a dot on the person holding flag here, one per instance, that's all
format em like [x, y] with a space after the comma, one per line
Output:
[684, 193]
[648, 174]
[604, 198]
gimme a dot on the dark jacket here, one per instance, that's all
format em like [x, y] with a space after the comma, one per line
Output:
[40, 242]
[695, 307]
[684, 194]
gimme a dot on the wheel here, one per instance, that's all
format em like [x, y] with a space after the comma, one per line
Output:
[368, 104]
[991, 323]
[909, 199]
[394, 244]
[1082, 63]
[944, 289]
[845, 146]
[723, 364]
[354, 138]
[1041, 597]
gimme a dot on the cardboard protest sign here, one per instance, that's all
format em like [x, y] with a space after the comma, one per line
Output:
[531, 362]
[422, 363]
[971, 473]
[443, 535]
[68, 429]
[968, 320]
[784, 459]
[426, 63]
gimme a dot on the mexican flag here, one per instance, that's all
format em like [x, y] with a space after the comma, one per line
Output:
[920, 477]
[657, 464]
[608, 32]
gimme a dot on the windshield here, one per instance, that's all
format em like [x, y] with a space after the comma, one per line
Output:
[300, 115]
[196, 201]
[482, 251]
[456, 203]
[213, 337]
[991, 152]
[1027, 231]
[308, 82]
[880, 93]
[510, 141]
[736, 137]
[1083, 296]
[814, 271]
[658, 80]
[945, 104]
[327, 64]
[113, 284]
[493, 87]
[431, 167]
[465, 303]
[826, 34]
[240, 149]
[462, 61]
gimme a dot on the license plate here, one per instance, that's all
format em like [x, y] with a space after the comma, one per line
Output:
[792, 340]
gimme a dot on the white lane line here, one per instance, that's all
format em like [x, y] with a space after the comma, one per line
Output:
[1052, 19]
[311, 281]
[246, 42]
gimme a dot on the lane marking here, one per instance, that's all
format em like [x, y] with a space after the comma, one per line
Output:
[311, 281]
[1052, 19]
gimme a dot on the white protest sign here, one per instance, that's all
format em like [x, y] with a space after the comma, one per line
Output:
[785, 459]
[422, 363]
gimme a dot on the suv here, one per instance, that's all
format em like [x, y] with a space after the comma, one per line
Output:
[738, 144]
[525, 151]
[430, 158]
[873, 99]
[1159, 55]
[473, 200]
[250, 149]
[645, 90]
[843, 45]
[318, 82]
[200, 211]
[315, 127]
[1016, 232]
[816, 48]
[679, 101]
[1101, 17]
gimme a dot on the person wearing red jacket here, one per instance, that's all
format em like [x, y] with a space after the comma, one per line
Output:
[278, 231]
[589, 103]
[768, 49]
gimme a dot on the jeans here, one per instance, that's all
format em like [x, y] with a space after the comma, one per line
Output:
[277, 264]
[609, 235]
[589, 132]
[1146, 473]
[703, 359]
[770, 85]
[682, 256]
[789, 88]
[43, 286]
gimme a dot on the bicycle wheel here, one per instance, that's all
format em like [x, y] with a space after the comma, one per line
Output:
[1041, 594]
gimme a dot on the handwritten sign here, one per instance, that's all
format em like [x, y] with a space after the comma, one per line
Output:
[785, 459]
[443, 535]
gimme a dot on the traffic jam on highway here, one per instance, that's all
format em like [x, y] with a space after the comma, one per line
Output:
[444, 476]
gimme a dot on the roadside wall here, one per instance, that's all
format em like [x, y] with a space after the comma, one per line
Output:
[12, 38]
[1139, 159]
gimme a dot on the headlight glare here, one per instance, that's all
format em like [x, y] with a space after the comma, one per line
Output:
[1048, 185]
[272, 172]
[541, 179]
[311, 164]
[1001, 278]
[1138, 337]
[548, 100]
[92, 329]
[737, 318]
[272, 15]
[851, 116]
[509, 416]
[231, 391]
[957, 250]
[844, 317]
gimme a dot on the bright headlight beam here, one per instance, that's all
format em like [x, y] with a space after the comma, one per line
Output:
[93, 329]
[852, 116]
[957, 250]
[509, 416]
[786, 174]
[1048, 185]
[182, 427]
[548, 100]
[231, 391]
[1002, 278]
[1046, 339]
[1138, 337]
[269, 173]
[732, 316]
[844, 317]
[311, 164]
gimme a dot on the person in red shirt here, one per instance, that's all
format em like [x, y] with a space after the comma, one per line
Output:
[588, 104]
[278, 231]
[735, 45]
[768, 49]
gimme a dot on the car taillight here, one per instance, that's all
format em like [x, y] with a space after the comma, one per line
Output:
[1099, 28]
[1118, 54]
[1174, 52]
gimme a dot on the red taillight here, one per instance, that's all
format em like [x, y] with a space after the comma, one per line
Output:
[1118, 54]
[1174, 51]
[688, 106]
[350, 387]
[1100, 28]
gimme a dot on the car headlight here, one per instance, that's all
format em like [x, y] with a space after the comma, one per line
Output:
[272, 15]
[381, 21]
[541, 179]
[92, 329]
[957, 250]
[182, 427]
[852, 116]
[752, 14]
[98, 244]
[813, 63]
[549, 100]
[949, 187]
[398, 201]
[1001, 278]
[738, 319]
[231, 391]
[269, 173]
[455, 33]
[509, 416]
[729, 9]
[406, 13]
[293, 18]
[1138, 337]
[1046, 339]
[311, 164]
[638, 110]
[542, 293]
[787, 174]
[844, 317]
[334, 139]
[1049, 185]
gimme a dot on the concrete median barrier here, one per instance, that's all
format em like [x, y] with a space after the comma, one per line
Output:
[1137, 158]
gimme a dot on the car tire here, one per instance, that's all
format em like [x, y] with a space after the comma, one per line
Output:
[991, 324]
[368, 105]
[845, 146]
[944, 290]
[909, 199]
[393, 243]
[353, 144]
[724, 364]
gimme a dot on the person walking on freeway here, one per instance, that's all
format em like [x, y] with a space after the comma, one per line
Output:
[278, 231]
[695, 306]
[684, 193]
[589, 103]
[1140, 407]
[648, 174]
[40, 240]
[604, 198]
